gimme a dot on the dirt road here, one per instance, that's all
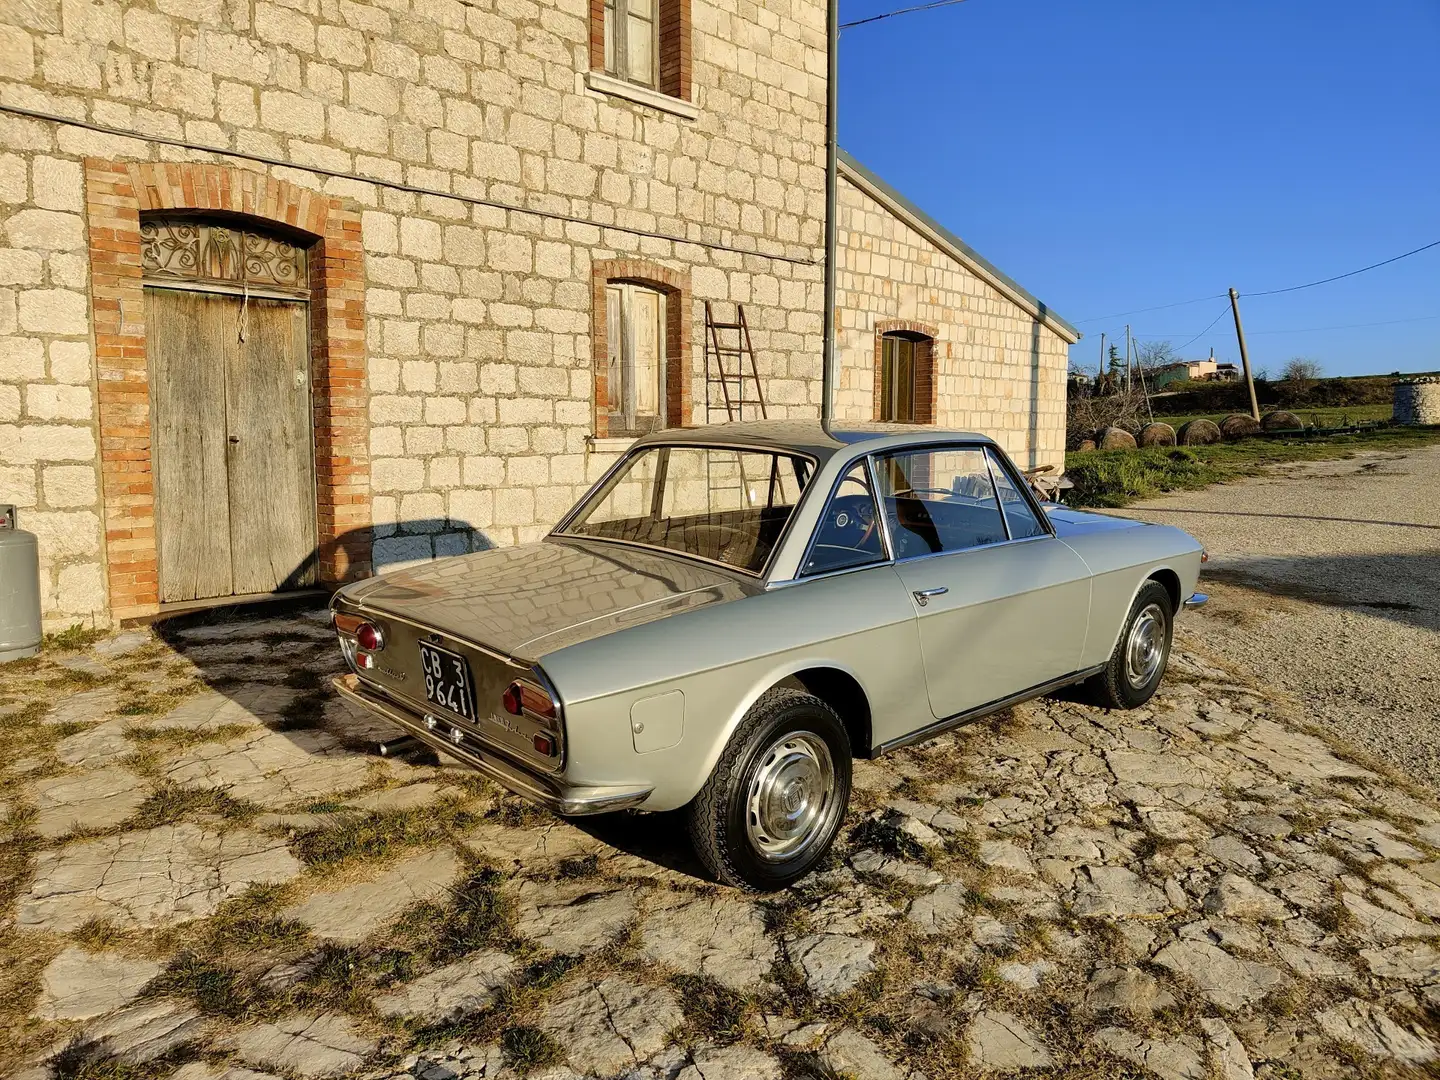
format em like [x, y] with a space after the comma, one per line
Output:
[1325, 580]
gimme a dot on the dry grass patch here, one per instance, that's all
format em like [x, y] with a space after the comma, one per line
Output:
[171, 803]
[384, 833]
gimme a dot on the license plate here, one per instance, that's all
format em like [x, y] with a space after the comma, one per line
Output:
[447, 680]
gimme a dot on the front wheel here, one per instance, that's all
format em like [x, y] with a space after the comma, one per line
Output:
[774, 802]
[1138, 663]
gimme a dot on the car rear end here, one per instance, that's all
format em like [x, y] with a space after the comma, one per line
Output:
[495, 712]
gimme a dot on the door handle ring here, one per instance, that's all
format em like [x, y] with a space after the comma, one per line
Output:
[922, 596]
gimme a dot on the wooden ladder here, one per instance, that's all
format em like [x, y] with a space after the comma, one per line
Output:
[731, 382]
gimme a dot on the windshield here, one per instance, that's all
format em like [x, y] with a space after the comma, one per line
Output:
[728, 506]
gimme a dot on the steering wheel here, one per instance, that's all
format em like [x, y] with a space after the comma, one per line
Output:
[863, 509]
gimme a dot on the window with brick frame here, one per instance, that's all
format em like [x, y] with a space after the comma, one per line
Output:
[645, 42]
[640, 326]
[905, 376]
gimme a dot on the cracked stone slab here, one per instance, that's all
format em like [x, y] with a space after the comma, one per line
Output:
[203, 1070]
[572, 920]
[1168, 1059]
[1368, 1026]
[324, 1045]
[449, 992]
[1115, 892]
[1227, 1053]
[250, 705]
[149, 878]
[1003, 855]
[1423, 895]
[1383, 924]
[1223, 980]
[123, 644]
[96, 799]
[84, 707]
[1126, 989]
[410, 797]
[848, 1053]
[351, 913]
[99, 745]
[611, 1025]
[143, 1032]
[79, 985]
[1374, 839]
[1236, 897]
[737, 1062]
[1310, 964]
[832, 963]
[870, 861]
[1294, 755]
[1159, 770]
[1408, 963]
[718, 936]
[1000, 1042]
[271, 768]
[532, 850]
[943, 911]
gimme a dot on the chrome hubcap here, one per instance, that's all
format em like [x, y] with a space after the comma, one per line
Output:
[791, 799]
[1145, 651]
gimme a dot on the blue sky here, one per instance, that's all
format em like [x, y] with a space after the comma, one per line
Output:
[1117, 154]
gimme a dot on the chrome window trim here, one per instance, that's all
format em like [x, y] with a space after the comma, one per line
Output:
[559, 531]
[1023, 490]
[885, 556]
[995, 491]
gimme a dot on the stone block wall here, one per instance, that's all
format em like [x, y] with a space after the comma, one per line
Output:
[997, 369]
[487, 179]
[1417, 401]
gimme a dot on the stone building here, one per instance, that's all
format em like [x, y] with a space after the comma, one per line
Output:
[930, 332]
[291, 290]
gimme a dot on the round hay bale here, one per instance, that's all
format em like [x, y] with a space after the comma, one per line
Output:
[1114, 438]
[1280, 420]
[1157, 434]
[1238, 426]
[1198, 433]
[1086, 444]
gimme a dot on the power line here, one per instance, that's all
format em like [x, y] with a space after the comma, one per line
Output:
[901, 11]
[1352, 273]
[1202, 333]
[1157, 307]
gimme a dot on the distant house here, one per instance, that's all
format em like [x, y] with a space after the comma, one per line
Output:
[1192, 371]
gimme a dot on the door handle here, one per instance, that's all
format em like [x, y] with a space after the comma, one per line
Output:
[922, 596]
[234, 440]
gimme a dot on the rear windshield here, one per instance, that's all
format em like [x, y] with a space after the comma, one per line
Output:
[724, 505]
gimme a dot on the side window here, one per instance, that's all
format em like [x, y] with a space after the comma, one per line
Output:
[940, 500]
[1018, 515]
[849, 532]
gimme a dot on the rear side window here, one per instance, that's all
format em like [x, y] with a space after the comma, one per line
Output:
[1018, 515]
[940, 500]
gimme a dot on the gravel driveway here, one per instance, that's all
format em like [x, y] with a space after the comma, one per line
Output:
[1325, 580]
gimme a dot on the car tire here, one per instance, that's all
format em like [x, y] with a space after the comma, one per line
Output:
[1141, 654]
[775, 800]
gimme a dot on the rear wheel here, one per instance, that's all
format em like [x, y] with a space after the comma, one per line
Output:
[774, 802]
[1138, 663]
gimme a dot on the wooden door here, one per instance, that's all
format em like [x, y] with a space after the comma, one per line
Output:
[191, 342]
[272, 477]
[231, 443]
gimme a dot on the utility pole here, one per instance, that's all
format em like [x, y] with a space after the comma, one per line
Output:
[1127, 359]
[1102, 356]
[830, 372]
[1244, 354]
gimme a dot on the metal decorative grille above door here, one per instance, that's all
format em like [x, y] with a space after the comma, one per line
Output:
[184, 252]
[231, 435]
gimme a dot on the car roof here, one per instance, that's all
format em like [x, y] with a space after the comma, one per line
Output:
[805, 436]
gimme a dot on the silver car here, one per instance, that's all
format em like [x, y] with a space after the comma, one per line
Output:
[733, 613]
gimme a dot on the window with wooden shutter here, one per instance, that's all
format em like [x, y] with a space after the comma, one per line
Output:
[905, 380]
[635, 375]
[645, 42]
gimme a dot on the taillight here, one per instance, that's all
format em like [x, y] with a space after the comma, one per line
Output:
[521, 697]
[366, 634]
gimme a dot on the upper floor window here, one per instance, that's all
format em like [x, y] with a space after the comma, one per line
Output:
[905, 378]
[640, 49]
[635, 378]
[632, 40]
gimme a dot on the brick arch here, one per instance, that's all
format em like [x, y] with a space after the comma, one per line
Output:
[925, 380]
[117, 193]
[675, 284]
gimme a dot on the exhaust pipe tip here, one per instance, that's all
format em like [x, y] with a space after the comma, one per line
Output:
[395, 747]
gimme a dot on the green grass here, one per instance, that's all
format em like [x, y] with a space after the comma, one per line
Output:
[1330, 416]
[1119, 477]
[74, 637]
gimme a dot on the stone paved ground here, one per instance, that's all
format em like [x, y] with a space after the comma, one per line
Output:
[206, 875]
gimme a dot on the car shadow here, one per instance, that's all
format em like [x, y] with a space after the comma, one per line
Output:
[659, 838]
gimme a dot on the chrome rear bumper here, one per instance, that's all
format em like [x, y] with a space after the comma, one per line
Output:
[551, 792]
[1195, 600]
